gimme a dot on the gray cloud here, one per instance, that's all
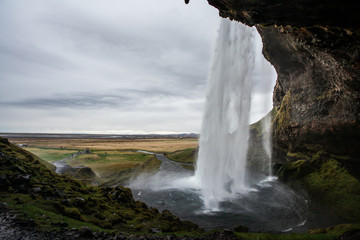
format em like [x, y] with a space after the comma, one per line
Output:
[90, 101]
[130, 65]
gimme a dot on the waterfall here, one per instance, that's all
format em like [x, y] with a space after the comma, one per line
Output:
[221, 166]
[267, 141]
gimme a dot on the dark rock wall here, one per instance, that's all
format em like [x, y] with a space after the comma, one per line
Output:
[314, 47]
[317, 90]
[340, 13]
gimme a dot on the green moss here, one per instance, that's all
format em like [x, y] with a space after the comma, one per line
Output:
[327, 182]
[184, 156]
[293, 236]
[337, 230]
[335, 187]
[190, 167]
[51, 154]
[296, 156]
[282, 118]
[121, 177]
[72, 212]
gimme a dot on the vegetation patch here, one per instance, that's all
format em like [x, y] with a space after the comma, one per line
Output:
[158, 145]
[282, 118]
[149, 167]
[56, 202]
[327, 182]
[188, 155]
[293, 236]
[51, 154]
[30, 188]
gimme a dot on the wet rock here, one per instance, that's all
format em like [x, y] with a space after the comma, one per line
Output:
[86, 232]
[19, 169]
[78, 201]
[60, 224]
[21, 179]
[283, 12]
[36, 190]
[4, 141]
[18, 201]
[241, 229]
[225, 234]
[317, 91]
[59, 193]
[350, 235]
[155, 230]
[29, 223]
[65, 202]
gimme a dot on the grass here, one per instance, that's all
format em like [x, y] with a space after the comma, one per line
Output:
[184, 156]
[107, 163]
[127, 174]
[43, 213]
[271, 236]
[159, 145]
[112, 160]
[59, 198]
[51, 154]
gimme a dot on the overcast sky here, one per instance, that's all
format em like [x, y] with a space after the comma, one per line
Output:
[109, 66]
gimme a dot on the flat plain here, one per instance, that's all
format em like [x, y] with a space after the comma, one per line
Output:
[109, 158]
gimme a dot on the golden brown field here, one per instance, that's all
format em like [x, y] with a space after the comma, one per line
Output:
[153, 145]
[110, 158]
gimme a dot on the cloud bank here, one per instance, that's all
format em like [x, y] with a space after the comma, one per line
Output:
[105, 66]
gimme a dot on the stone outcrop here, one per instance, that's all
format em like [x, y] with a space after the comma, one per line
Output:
[314, 47]
[297, 13]
[317, 94]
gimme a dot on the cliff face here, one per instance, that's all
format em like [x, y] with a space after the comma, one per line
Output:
[317, 91]
[314, 47]
[295, 13]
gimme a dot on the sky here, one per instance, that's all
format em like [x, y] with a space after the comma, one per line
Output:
[119, 67]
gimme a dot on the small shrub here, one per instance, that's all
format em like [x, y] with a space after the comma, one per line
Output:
[72, 213]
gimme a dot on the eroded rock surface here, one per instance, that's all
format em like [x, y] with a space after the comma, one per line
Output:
[317, 90]
[296, 13]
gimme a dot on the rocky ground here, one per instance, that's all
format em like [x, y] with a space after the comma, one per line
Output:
[12, 228]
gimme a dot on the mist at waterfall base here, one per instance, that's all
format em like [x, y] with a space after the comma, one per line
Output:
[222, 193]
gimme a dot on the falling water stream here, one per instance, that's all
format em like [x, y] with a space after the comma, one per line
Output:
[218, 194]
[221, 166]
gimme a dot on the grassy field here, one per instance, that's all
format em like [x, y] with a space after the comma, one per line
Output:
[52, 154]
[158, 145]
[107, 163]
[112, 160]
[184, 156]
[59, 198]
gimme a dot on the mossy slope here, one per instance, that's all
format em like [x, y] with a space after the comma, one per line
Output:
[184, 156]
[327, 181]
[27, 186]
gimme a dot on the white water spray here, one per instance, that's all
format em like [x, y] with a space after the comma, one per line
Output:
[221, 166]
[267, 141]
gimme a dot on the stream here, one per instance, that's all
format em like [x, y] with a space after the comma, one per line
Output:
[62, 166]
